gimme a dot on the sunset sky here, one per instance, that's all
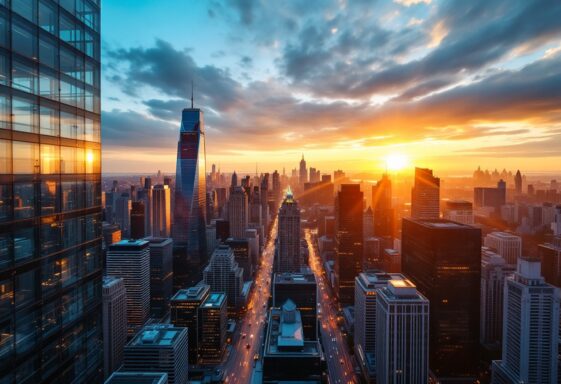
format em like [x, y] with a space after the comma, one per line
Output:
[448, 85]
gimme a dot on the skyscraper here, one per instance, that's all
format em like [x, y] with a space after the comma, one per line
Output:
[238, 212]
[349, 231]
[443, 259]
[122, 214]
[459, 210]
[161, 211]
[382, 206]
[518, 182]
[224, 275]
[507, 245]
[189, 222]
[114, 323]
[425, 195]
[530, 328]
[49, 180]
[138, 217]
[303, 172]
[213, 315]
[161, 274]
[287, 256]
[402, 334]
[130, 260]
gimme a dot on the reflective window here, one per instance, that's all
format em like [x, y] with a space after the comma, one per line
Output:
[90, 17]
[4, 32]
[68, 125]
[24, 200]
[50, 238]
[68, 159]
[51, 319]
[69, 5]
[48, 121]
[50, 159]
[24, 244]
[24, 77]
[25, 8]
[5, 202]
[72, 233]
[4, 111]
[6, 297]
[26, 288]
[5, 157]
[48, 52]
[91, 260]
[71, 64]
[4, 71]
[24, 40]
[26, 157]
[71, 310]
[50, 275]
[5, 254]
[70, 269]
[92, 160]
[80, 127]
[48, 84]
[27, 327]
[47, 17]
[49, 204]
[24, 115]
[92, 227]
[68, 196]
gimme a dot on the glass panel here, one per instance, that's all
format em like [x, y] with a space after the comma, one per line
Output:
[26, 157]
[71, 64]
[4, 72]
[4, 111]
[24, 77]
[24, 115]
[50, 159]
[24, 40]
[5, 202]
[48, 84]
[25, 8]
[24, 244]
[6, 297]
[5, 252]
[70, 269]
[91, 260]
[47, 17]
[69, 5]
[5, 157]
[80, 127]
[48, 120]
[71, 234]
[50, 275]
[68, 160]
[51, 319]
[27, 327]
[4, 36]
[89, 100]
[7, 346]
[92, 161]
[24, 200]
[26, 288]
[50, 238]
[68, 127]
[49, 199]
[68, 196]
[48, 52]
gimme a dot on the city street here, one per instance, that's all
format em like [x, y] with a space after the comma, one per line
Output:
[249, 335]
[339, 361]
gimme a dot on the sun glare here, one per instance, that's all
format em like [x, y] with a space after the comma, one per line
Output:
[396, 161]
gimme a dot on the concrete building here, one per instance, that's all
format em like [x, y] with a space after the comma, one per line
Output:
[223, 274]
[425, 195]
[507, 245]
[114, 314]
[238, 212]
[287, 255]
[460, 211]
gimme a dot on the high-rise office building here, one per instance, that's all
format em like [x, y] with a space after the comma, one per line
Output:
[425, 195]
[49, 181]
[490, 197]
[382, 205]
[213, 315]
[138, 219]
[277, 192]
[189, 220]
[130, 260]
[224, 275]
[530, 328]
[242, 255]
[161, 275]
[507, 245]
[161, 211]
[367, 224]
[458, 210]
[349, 231]
[159, 348]
[301, 289]
[303, 172]
[287, 255]
[518, 182]
[122, 213]
[185, 313]
[443, 259]
[238, 212]
[402, 334]
[494, 272]
[550, 256]
[114, 313]
[264, 198]
[366, 285]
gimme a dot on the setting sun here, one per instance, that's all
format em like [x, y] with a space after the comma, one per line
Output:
[396, 161]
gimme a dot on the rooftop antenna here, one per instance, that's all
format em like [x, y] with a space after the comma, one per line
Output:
[192, 94]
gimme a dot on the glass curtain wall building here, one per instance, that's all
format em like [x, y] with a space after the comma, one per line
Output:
[50, 192]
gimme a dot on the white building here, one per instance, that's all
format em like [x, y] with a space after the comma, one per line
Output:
[507, 245]
[530, 328]
[402, 334]
[114, 315]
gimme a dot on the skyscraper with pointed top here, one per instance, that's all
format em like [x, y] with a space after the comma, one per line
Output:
[190, 189]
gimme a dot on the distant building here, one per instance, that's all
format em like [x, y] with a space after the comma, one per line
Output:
[122, 213]
[530, 328]
[490, 197]
[287, 256]
[507, 245]
[382, 206]
[443, 259]
[460, 211]
[287, 356]
[161, 275]
[242, 255]
[518, 182]
[425, 195]
[550, 256]
[303, 172]
[111, 234]
[184, 312]
[301, 288]
[161, 211]
[402, 334]
[159, 348]
[130, 260]
[223, 274]
[114, 314]
[138, 217]
[213, 315]
[238, 212]
[138, 378]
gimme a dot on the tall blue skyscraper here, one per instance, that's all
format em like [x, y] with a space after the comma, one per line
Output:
[189, 224]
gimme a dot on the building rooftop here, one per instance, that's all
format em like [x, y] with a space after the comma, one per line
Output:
[195, 293]
[109, 281]
[294, 278]
[158, 335]
[214, 300]
[129, 245]
[402, 290]
[504, 235]
[158, 240]
[440, 223]
[138, 378]
[377, 279]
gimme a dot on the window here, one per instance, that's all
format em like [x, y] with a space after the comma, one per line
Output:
[68, 160]
[24, 77]
[27, 327]
[4, 31]
[50, 159]
[5, 258]
[24, 200]
[69, 5]
[47, 17]
[26, 288]
[26, 158]
[68, 127]
[71, 64]
[92, 161]
[6, 297]
[68, 196]
[51, 320]
[48, 121]
[5, 202]
[50, 238]
[50, 275]
[24, 40]
[5, 157]
[48, 84]
[24, 244]
[25, 8]
[48, 52]
[4, 111]
[24, 115]
[4, 71]
[49, 203]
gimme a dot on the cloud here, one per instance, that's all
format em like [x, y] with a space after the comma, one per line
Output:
[409, 3]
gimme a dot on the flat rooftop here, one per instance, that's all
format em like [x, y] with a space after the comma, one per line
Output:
[195, 293]
[108, 281]
[295, 278]
[504, 235]
[158, 240]
[128, 245]
[214, 300]
[161, 335]
[286, 338]
[137, 378]
[439, 223]
[373, 279]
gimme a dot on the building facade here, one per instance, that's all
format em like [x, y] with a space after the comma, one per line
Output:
[507, 245]
[223, 274]
[114, 323]
[213, 317]
[161, 211]
[238, 212]
[161, 275]
[287, 256]
[425, 195]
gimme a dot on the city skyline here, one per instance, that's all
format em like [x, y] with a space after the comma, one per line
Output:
[449, 86]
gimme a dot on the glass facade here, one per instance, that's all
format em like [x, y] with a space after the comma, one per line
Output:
[50, 192]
